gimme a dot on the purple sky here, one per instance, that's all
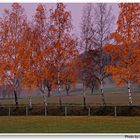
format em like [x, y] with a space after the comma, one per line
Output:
[75, 8]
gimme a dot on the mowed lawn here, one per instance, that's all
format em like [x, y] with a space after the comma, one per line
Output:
[70, 124]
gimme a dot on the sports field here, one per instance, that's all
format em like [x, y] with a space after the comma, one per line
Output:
[69, 124]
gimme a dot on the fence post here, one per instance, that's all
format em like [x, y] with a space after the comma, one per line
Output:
[45, 111]
[115, 111]
[65, 111]
[9, 112]
[89, 111]
[26, 110]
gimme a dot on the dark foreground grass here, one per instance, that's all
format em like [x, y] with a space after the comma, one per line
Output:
[70, 124]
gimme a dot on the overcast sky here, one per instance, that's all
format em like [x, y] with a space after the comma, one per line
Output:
[75, 8]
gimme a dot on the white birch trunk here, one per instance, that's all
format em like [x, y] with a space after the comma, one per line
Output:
[45, 100]
[30, 102]
[129, 93]
[102, 93]
[43, 90]
[45, 103]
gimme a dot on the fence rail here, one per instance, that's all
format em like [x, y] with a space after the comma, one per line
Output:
[72, 110]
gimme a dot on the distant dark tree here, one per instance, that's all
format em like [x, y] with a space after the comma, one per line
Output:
[91, 79]
[95, 33]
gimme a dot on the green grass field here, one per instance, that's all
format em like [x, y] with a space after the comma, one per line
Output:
[74, 124]
[69, 124]
[96, 99]
[113, 96]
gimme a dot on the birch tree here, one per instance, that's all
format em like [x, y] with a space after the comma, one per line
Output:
[41, 42]
[63, 48]
[87, 44]
[125, 51]
[12, 29]
[103, 20]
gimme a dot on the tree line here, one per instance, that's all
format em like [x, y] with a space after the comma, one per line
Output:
[43, 53]
[111, 53]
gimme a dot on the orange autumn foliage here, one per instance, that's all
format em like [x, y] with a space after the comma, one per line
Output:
[125, 51]
[13, 26]
[29, 79]
[33, 52]
[63, 51]
[70, 72]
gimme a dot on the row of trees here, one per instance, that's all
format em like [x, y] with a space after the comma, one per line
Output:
[108, 53]
[96, 27]
[43, 53]
[37, 54]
